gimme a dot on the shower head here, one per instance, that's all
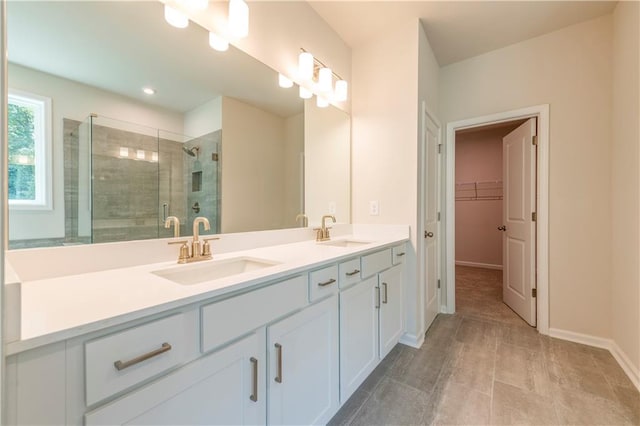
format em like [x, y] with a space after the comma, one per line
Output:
[191, 152]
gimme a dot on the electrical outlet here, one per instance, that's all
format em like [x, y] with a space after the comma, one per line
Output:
[332, 207]
[374, 208]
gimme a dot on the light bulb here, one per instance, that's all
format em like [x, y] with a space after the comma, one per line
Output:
[341, 91]
[305, 66]
[325, 80]
[218, 43]
[322, 102]
[175, 17]
[305, 93]
[238, 18]
[149, 90]
[284, 81]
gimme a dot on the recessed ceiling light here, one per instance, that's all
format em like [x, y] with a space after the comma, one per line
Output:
[149, 90]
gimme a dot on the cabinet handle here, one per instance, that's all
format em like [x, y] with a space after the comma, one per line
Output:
[377, 297]
[384, 299]
[355, 271]
[400, 254]
[254, 394]
[279, 369]
[122, 365]
[331, 281]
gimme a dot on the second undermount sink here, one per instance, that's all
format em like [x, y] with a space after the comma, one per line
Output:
[213, 270]
[345, 243]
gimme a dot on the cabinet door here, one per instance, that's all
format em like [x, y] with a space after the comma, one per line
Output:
[226, 387]
[391, 312]
[358, 335]
[303, 366]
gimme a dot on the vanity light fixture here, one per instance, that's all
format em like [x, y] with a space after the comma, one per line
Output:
[284, 81]
[197, 4]
[175, 18]
[124, 152]
[305, 66]
[149, 90]
[140, 154]
[154, 157]
[218, 43]
[238, 18]
[305, 93]
[325, 80]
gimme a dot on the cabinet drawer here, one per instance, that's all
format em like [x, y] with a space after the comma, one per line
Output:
[349, 272]
[399, 254]
[233, 317]
[118, 361]
[323, 282]
[376, 262]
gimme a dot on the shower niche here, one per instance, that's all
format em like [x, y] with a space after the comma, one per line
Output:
[122, 181]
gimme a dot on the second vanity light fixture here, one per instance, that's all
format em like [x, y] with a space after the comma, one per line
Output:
[237, 22]
[316, 78]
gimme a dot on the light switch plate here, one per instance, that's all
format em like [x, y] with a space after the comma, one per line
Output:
[332, 207]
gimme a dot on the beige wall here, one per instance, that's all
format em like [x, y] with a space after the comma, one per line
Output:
[569, 69]
[386, 112]
[294, 175]
[327, 135]
[625, 182]
[252, 168]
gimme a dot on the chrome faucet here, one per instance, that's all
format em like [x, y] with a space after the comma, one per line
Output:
[197, 253]
[176, 225]
[322, 233]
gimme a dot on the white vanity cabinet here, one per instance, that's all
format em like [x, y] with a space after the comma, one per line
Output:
[303, 366]
[391, 312]
[222, 388]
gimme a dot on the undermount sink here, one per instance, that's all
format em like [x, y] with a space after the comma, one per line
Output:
[345, 243]
[213, 270]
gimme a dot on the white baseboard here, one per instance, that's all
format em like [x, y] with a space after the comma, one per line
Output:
[478, 265]
[599, 342]
[412, 340]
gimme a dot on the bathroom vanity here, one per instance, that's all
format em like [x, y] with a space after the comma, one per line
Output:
[283, 335]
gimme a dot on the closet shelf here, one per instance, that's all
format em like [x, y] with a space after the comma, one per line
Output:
[474, 191]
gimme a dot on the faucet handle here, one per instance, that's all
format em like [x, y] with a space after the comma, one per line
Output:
[206, 247]
[184, 250]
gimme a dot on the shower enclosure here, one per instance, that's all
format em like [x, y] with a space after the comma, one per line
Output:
[122, 180]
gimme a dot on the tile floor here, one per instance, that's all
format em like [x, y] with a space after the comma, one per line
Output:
[484, 365]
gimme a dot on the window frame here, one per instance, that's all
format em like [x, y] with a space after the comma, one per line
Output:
[43, 149]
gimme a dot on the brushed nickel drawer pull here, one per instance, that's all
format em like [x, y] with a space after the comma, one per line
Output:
[355, 271]
[331, 281]
[122, 365]
[400, 254]
[254, 394]
[377, 297]
[279, 369]
[384, 299]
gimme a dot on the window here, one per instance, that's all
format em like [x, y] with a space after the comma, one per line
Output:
[29, 119]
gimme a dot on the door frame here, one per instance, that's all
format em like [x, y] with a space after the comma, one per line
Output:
[541, 112]
[421, 246]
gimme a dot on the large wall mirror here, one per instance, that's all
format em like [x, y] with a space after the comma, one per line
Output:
[92, 158]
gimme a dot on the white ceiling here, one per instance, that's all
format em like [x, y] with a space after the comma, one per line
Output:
[458, 30]
[123, 46]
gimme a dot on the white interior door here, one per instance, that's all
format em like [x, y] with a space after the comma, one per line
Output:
[431, 172]
[518, 242]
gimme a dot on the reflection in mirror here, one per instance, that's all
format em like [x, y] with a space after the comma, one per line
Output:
[218, 138]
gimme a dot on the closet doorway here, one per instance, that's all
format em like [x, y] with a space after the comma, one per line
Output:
[497, 181]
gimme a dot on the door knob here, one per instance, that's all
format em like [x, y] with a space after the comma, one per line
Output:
[502, 228]
[428, 234]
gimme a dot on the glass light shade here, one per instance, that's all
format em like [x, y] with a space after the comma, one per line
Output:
[218, 43]
[175, 18]
[340, 94]
[238, 18]
[325, 80]
[322, 102]
[305, 66]
[305, 93]
[154, 157]
[284, 82]
[140, 154]
[124, 152]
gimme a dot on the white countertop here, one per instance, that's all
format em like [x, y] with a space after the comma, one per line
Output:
[60, 308]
